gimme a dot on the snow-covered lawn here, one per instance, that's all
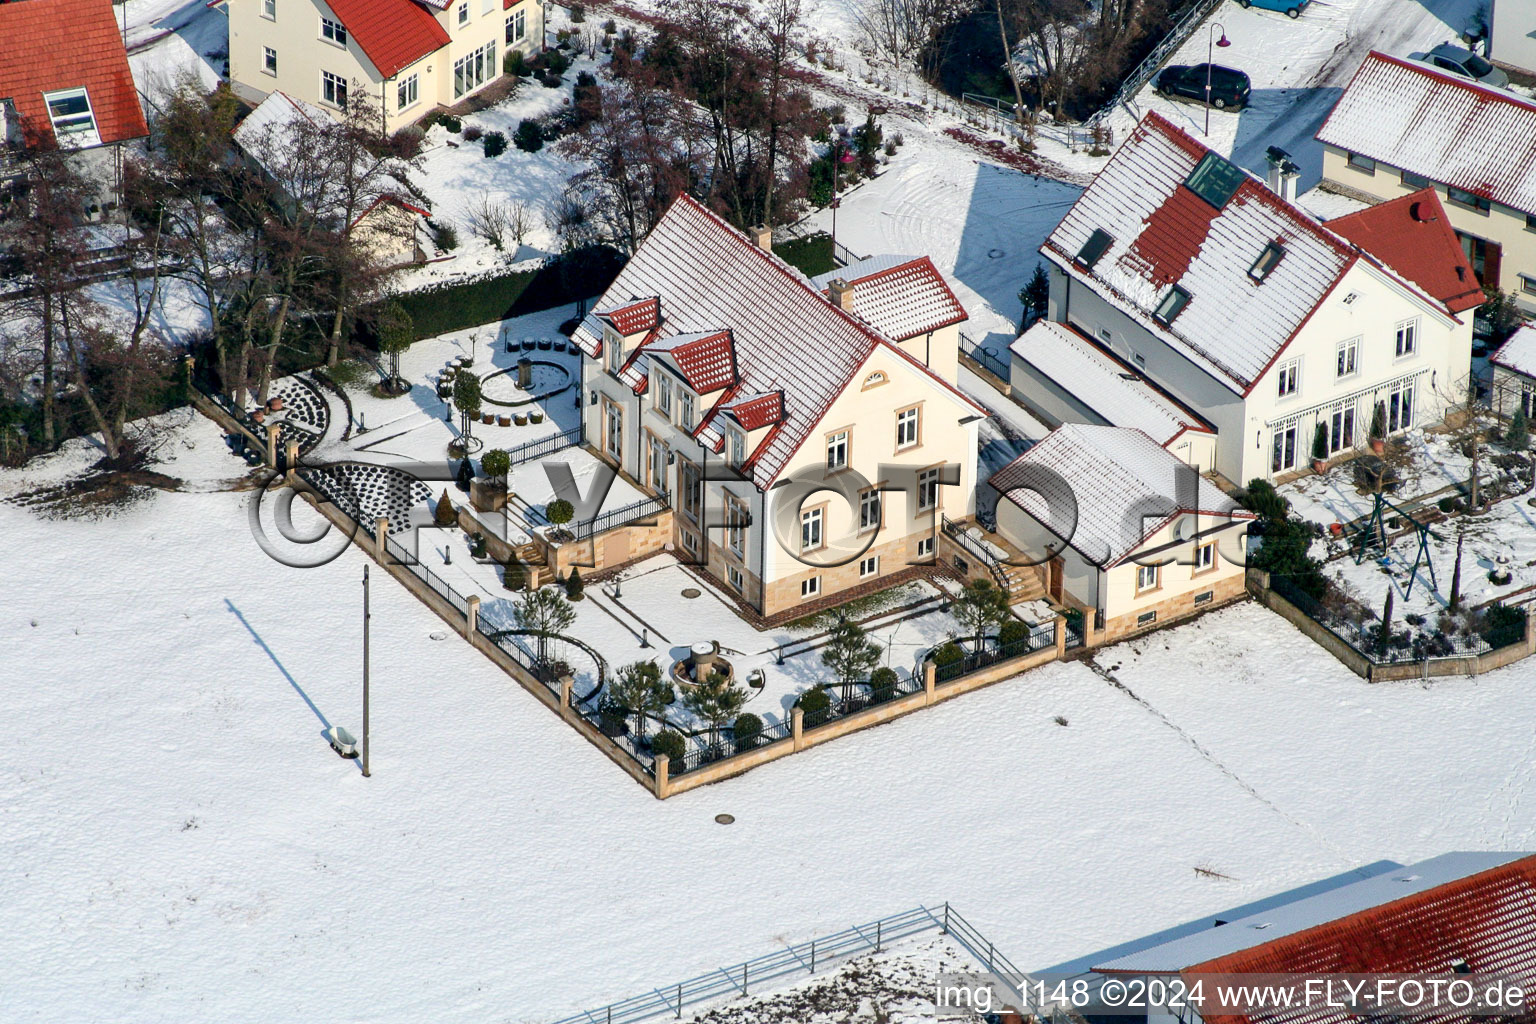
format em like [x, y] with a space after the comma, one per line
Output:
[180, 842]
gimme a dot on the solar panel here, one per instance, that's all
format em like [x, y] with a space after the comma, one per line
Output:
[1215, 180]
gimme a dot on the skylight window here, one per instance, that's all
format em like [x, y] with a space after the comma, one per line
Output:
[1268, 259]
[1215, 180]
[74, 124]
[1172, 305]
[1095, 247]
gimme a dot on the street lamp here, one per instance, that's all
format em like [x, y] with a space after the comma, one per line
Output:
[1209, 50]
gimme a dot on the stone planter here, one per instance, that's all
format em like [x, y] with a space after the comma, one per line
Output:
[1378, 445]
[488, 418]
[521, 419]
[487, 494]
[503, 421]
[1319, 466]
[535, 417]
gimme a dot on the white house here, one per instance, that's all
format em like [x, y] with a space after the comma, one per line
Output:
[410, 55]
[1128, 532]
[1401, 126]
[808, 455]
[1259, 318]
[1512, 35]
[65, 81]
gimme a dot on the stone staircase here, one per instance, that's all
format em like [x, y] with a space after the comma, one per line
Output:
[1020, 582]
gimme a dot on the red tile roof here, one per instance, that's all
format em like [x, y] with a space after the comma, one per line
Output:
[787, 336]
[634, 316]
[1487, 919]
[900, 296]
[707, 362]
[1440, 126]
[1411, 235]
[393, 33]
[754, 411]
[67, 44]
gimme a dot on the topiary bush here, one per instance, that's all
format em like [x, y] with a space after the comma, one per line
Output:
[745, 731]
[495, 144]
[514, 575]
[882, 683]
[559, 512]
[1012, 632]
[947, 653]
[528, 137]
[575, 590]
[816, 704]
[445, 514]
[670, 743]
[496, 463]
[451, 123]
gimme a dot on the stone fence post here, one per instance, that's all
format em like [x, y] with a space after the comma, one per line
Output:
[930, 676]
[381, 538]
[797, 727]
[663, 776]
[471, 615]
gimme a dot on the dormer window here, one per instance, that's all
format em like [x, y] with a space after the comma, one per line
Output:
[1172, 305]
[735, 446]
[613, 351]
[1095, 247]
[74, 123]
[664, 394]
[1267, 261]
[684, 408]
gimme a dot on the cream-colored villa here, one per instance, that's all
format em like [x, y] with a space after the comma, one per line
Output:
[411, 55]
[807, 435]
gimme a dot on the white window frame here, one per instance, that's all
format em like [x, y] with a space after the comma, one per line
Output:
[333, 32]
[664, 394]
[869, 510]
[691, 497]
[77, 128]
[1288, 379]
[1406, 338]
[1346, 361]
[735, 446]
[928, 489]
[408, 92]
[909, 427]
[268, 61]
[656, 462]
[735, 525]
[464, 13]
[269, 9]
[1282, 456]
[925, 547]
[475, 68]
[1205, 557]
[810, 587]
[734, 577]
[813, 533]
[1341, 427]
[1402, 404]
[684, 408]
[837, 451]
[337, 86]
[1147, 578]
[869, 566]
[517, 27]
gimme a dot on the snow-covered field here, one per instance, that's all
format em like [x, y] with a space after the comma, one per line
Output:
[180, 842]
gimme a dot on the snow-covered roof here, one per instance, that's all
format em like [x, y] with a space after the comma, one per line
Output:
[1290, 918]
[785, 335]
[752, 411]
[1519, 352]
[271, 133]
[1113, 390]
[705, 359]
[1158, 232]
[1105, 490]
[1440, 126]
[901, 296]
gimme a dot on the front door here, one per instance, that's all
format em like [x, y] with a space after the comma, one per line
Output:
[1341, 430]
[1054, 585]
[1285, 449]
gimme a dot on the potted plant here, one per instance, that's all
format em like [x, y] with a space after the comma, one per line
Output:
[488, 418]
[1320, 449]
[1379, 428]
[535, 417]
[521, 419]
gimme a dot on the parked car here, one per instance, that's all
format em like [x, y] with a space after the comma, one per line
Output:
[1292, 8]
[1458, 60]
[1229, 87]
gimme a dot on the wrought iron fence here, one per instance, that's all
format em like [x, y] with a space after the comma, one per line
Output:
[1188, 21]
[642, 509]
[993, 363]
[568, 438]
[1038, 638]
[805, 958]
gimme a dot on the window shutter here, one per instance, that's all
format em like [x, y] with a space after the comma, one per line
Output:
[1491, 261]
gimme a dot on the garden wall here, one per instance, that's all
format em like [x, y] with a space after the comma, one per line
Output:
[1364, 667]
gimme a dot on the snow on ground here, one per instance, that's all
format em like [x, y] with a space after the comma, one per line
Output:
[1297, 68]
[180, 842]
[168, 38]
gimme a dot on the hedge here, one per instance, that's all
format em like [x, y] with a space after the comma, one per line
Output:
[810, 255]
[454, 306]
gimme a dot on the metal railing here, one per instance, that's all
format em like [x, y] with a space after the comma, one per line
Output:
[1188, 22]
[992, 363]
[568, 438]
[805, 958]
[1038, 638]
[623, 516]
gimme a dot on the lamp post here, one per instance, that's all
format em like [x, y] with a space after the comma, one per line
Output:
[365, 671]
[1209, 51]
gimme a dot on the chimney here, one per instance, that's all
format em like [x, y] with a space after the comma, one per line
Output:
[841, 294]
[1283, 173]
[762, 234]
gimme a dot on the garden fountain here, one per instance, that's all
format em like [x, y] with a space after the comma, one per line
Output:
[702, 659]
